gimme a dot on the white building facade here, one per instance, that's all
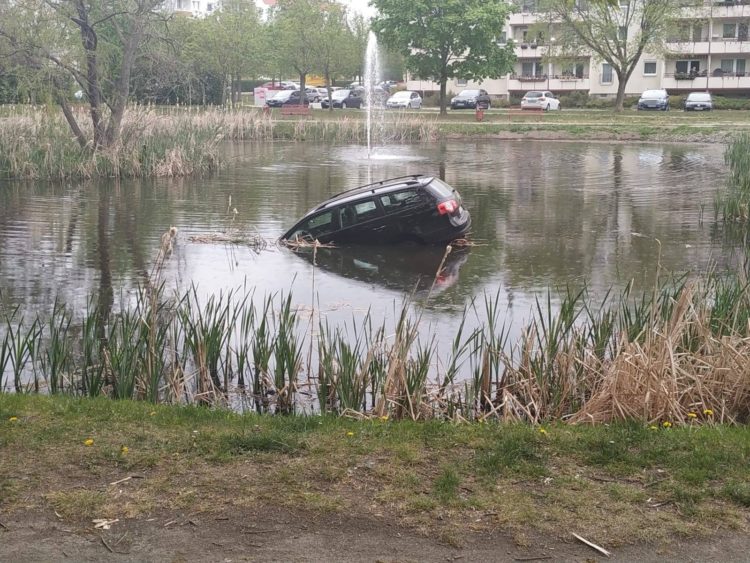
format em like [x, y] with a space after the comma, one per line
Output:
[709, 50]
[193, 8]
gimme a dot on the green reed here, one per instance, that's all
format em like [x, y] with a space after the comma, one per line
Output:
[287, 356]
[55, 360]
[191, 348]
[733, 203]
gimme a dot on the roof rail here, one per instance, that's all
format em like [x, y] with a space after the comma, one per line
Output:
[372, 185]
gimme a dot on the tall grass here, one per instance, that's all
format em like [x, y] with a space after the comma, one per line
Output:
[733, 203]
[680, 354]
[36, 143]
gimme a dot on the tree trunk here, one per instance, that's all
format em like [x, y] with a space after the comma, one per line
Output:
[327, 76]
[68, 113]
[302, 96]
[443, 85]
[122, 86]
[622, 82]
[93, 89]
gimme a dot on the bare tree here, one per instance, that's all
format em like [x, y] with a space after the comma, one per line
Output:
[616, 32]
[93, 43]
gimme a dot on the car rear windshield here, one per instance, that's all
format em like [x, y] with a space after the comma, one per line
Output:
[441, 189]
[534, 94]
[283, 95]
[698, 97]
[469, 93]
[653, 94]
[341, 94]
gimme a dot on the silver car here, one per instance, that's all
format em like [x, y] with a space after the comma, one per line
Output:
[699, 101]
[404, 99]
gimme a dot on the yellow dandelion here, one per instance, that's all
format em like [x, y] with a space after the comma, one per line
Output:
[666, 424]
[652, 427]
[692, 415]
[384, 418]
[708, 412]
[13, 419]
[542, 431]
[88, 442]
[152, 413]
[350, 434]
[124, 450]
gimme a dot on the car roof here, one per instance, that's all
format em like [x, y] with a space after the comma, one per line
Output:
[656, 92]
[384, 186]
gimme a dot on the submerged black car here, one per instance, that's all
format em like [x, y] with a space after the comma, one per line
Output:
[420, 208]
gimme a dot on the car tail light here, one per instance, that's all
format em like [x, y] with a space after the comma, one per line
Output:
[447, 207]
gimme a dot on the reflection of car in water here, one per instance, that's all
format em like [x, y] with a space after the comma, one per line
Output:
[402, 267]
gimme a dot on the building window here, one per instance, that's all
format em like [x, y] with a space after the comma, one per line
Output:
[196, 6]
[739, 68]
[209, 7]
[502, 39]
[729, 31]
[461, 82]
[606, 73]
[531, 68]
[622, 33]
[649, 68]
[687, 67]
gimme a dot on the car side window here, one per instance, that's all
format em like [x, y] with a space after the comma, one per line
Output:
[366, 210]
[316, 226]
[398, 201]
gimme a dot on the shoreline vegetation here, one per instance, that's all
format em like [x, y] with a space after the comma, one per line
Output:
[36, 142]
[676, 356]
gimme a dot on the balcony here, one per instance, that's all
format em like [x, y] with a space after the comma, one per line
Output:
[716, 82]
[556, 83]
[717, 46]
[532, 50]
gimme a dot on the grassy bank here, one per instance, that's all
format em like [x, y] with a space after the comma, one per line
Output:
[614, 484]
[36, 143]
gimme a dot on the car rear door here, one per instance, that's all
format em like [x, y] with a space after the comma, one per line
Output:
[361, 221]
[405, 210]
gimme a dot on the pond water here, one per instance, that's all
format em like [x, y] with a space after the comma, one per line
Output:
[545, 215]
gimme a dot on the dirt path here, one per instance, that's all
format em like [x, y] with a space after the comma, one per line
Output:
[271, 534]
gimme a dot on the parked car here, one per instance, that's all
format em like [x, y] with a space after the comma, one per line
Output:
[286, 98]
[405, 99]
[316, 94]
[421, 208]
[540, 99]
[699, 101]
[346, 98]
[470, 99]
[273, 85]
[654, 99]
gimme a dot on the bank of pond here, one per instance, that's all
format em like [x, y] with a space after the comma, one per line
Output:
[37, 143]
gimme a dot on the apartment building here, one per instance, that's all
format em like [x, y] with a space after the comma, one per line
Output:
[194, 8]
[709, 49]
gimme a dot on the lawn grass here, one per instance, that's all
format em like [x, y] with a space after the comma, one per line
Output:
[617, 483]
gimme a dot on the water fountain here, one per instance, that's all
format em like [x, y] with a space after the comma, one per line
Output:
[372, 79]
